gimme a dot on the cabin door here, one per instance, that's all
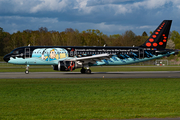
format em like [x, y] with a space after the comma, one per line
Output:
[27, 53]
[71, 53]
[141, 53]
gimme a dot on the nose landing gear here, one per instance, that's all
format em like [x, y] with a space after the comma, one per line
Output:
[27, 69]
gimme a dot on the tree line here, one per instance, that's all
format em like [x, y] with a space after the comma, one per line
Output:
[70, 37]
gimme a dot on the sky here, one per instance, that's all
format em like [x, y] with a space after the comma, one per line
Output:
[108, 16]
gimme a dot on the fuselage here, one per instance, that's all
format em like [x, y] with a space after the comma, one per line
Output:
[50, 55]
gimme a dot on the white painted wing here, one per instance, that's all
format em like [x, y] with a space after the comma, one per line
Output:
[91, 59]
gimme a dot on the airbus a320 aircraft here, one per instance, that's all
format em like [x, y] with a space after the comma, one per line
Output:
[68, 58]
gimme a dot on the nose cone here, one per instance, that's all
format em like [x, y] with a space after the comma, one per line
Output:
[6, 58]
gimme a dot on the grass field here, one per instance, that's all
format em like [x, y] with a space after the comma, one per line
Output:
[89, 98]
[95, 69]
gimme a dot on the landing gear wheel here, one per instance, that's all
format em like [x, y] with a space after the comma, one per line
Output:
[27, 69]
[27, 72]
[88, 71]
[83, 71]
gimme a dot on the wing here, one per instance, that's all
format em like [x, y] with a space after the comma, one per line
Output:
[91, 59]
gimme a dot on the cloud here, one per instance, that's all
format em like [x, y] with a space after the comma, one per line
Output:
[145, 27]
[50, 5]
[33, 23]
[17, 23]
[109, 16]
[150, 4]
[112, 28]
[82, 6]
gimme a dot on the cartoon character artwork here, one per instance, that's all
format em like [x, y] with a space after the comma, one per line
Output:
[52, 56]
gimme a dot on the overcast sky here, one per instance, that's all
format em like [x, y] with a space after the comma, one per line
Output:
[109, 16]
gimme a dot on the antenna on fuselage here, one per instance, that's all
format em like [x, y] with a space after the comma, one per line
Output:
[104, 45]
[29, 45]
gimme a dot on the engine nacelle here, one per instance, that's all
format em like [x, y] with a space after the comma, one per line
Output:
[65, 66]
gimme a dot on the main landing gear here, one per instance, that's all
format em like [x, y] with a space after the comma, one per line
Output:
[27, 69]
[87, 71]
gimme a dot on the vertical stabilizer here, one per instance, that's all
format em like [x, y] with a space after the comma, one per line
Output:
[159, 37]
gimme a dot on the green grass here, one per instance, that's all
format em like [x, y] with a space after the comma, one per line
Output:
[89, 98]
[96, 69]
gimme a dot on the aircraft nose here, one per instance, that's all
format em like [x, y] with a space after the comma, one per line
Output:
[6, 58]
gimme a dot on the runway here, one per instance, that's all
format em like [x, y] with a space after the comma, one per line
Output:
[143, 74]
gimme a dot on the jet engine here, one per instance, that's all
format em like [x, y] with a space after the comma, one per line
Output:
[66, 66]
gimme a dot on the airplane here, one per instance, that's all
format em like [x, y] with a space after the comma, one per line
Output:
[69, 58]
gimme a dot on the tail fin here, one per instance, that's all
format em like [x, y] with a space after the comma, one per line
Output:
[159, 37]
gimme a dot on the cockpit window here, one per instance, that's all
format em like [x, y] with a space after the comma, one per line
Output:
[16, 52]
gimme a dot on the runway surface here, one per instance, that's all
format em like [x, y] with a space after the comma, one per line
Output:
[144, 74]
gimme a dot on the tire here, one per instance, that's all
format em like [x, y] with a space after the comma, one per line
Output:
[27, 72]
[88, 71]
[83, 71]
